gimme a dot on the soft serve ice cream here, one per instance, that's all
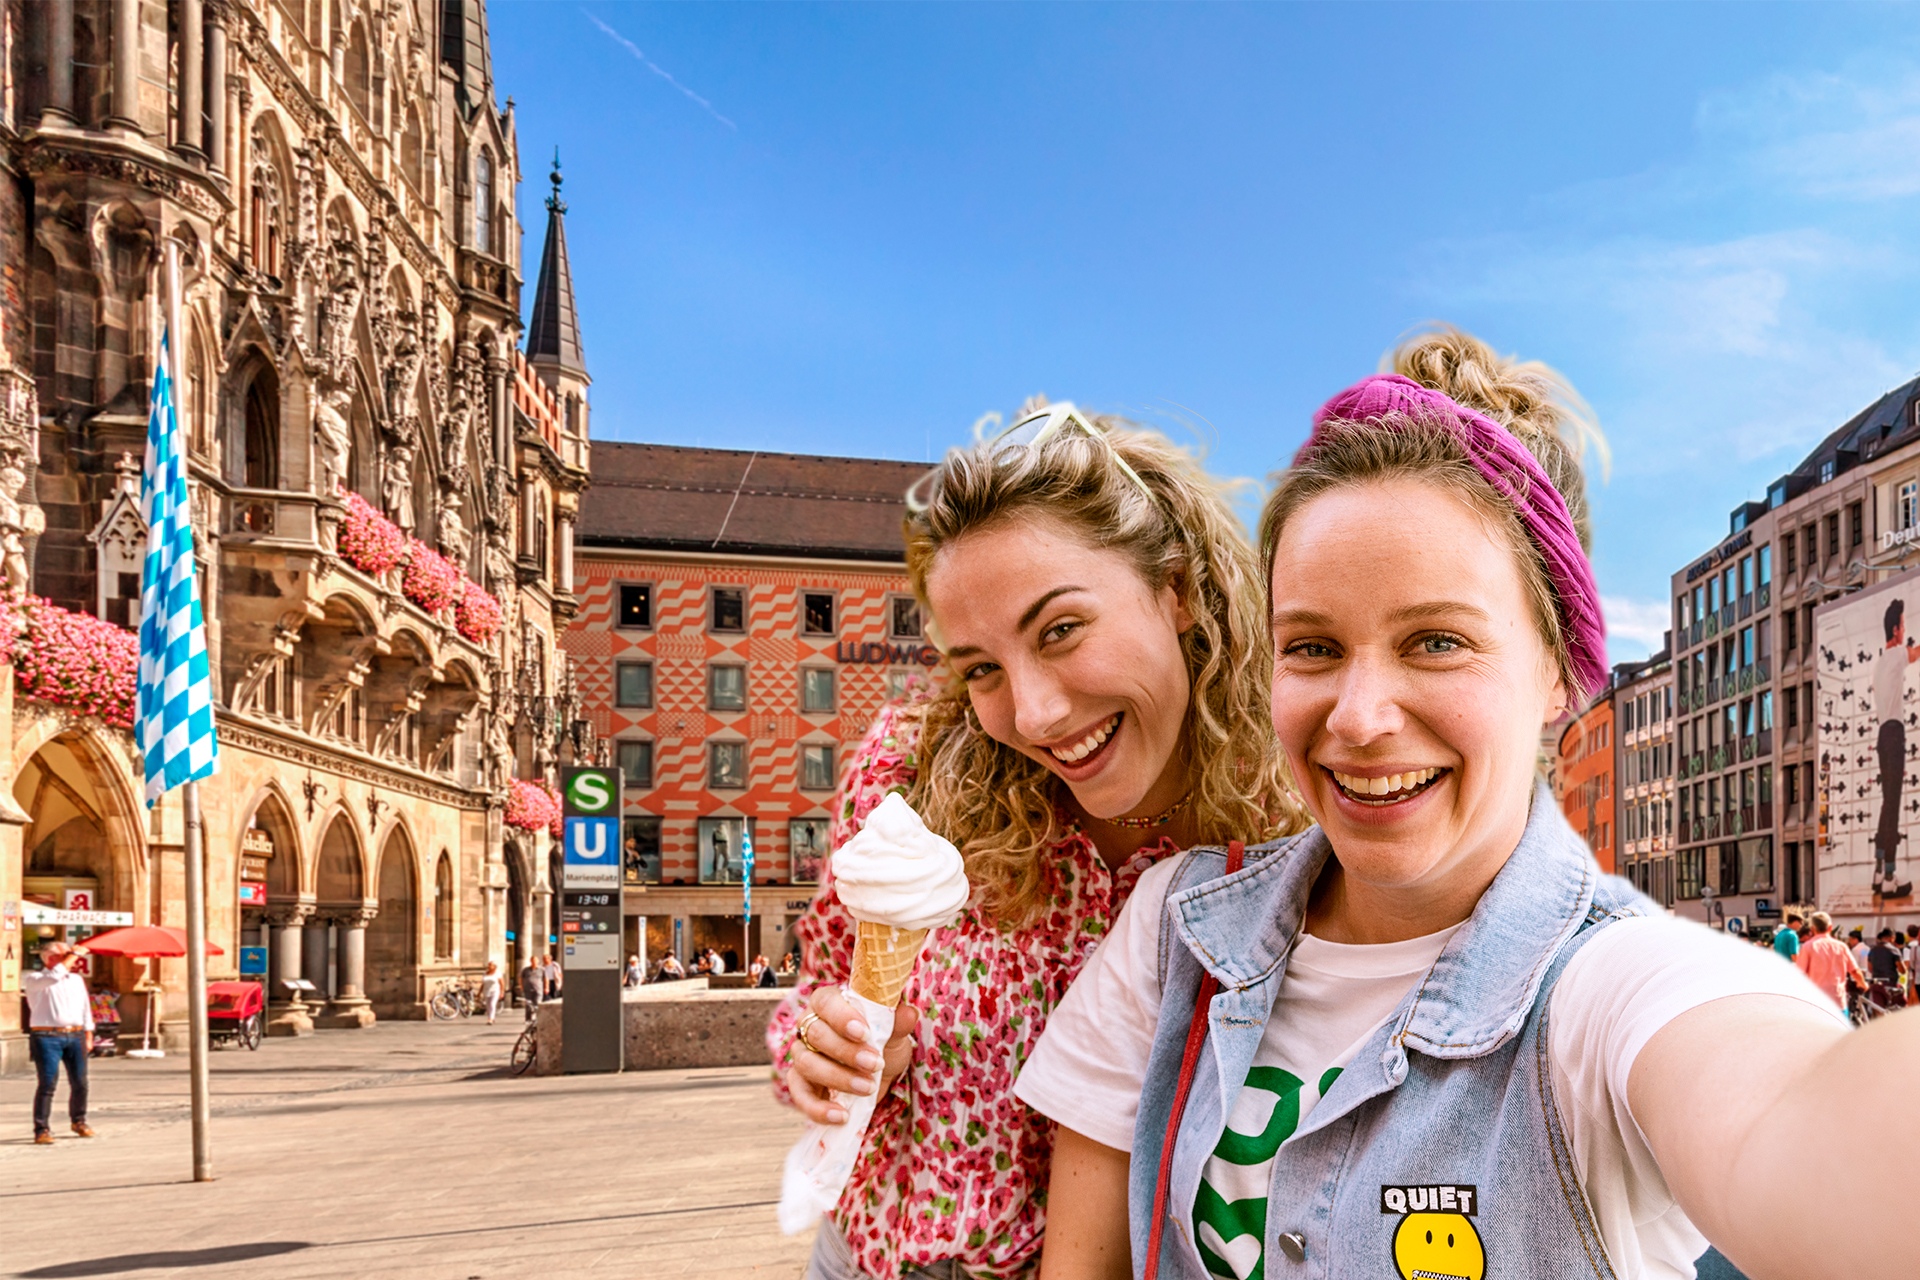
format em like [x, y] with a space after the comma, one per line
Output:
[899, 874]
[899, 881]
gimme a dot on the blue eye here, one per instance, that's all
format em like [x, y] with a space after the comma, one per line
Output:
[1440, 644]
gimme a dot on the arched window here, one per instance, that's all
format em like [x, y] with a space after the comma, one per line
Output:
[195, 396]
[262, 442]
[443, 909]
[410, 149]
[267, 209]
[359, 72]
[540, 535]
[483, 201]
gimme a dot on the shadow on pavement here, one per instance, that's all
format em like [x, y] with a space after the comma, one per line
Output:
[126, 1262]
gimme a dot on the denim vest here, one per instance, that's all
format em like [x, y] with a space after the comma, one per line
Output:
[1439, 1151]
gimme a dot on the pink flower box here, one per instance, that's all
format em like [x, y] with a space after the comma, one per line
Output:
[531, 806]
[478, 614]
[369, 541]
[430, 579]
[76, 660]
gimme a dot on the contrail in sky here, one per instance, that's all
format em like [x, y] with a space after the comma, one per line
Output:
[660, 71]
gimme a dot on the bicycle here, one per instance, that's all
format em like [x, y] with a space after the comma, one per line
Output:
[455, 998]
[524, 1049]
[1864, 1005]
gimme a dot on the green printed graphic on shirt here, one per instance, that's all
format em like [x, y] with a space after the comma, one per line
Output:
[1232, 1233]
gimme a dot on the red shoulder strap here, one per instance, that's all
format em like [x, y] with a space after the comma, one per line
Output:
[1189, 1064]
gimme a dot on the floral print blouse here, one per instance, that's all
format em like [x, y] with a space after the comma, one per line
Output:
[954, 1165]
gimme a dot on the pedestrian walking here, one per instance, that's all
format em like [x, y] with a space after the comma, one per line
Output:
[1827, 960]
[635, 974]
[533, 985]
[60, 1032]
[550, 977]
[762, 973]
[491, 990]
[1857, 943]
[1786, 939]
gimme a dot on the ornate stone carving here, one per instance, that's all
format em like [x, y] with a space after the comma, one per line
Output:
[332, 437]
[454, 539]
[396, 486]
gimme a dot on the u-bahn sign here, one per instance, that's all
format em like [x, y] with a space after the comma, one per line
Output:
[590, 829]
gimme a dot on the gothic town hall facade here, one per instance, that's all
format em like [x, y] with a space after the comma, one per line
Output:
[386, 473]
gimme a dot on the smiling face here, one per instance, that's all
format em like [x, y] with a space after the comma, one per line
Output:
[1071, 658]
[1410, 686]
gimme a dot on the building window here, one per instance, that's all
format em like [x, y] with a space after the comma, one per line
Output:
[1792, 709]
[483, 202]
[1746, 575]
[1810, 545]
[729, 608]
[903, 618]
[1826, 471]
[262, 443]
[1766, 564]
[633, 684]
[816, 766]
[727, 765]
[1907, 509]
[636, 604]
[817, 613]
[1790, 622]
[1833, 535]
[635, 760]
[1787, 558]
[1766, 710]
[726, 688]
[723, 849]
[1856, 525]
[640, 850]
[816, 690]
[807, 849]
[1690, 872]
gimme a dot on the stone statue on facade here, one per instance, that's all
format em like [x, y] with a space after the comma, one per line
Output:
[455, 542]
[396, 487]
[499, 751]
[453, 436]
[333, 438]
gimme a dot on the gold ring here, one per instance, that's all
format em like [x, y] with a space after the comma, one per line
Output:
[806, 1025]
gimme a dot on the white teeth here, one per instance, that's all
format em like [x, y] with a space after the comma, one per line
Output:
[1086, 746]
[1390, 784]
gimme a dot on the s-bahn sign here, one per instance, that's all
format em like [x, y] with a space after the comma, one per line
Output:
[877, 653]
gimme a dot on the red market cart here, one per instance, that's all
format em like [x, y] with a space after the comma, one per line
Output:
[236, 1013]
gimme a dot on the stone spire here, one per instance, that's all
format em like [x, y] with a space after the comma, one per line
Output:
[553, 337]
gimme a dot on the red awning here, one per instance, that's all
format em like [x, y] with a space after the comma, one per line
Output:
[143, 940]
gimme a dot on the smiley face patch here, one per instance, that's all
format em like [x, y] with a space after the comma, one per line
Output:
[1436, 1238]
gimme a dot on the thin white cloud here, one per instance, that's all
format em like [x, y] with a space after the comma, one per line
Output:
[658, 70]
[1852, 135]
[1639, 625]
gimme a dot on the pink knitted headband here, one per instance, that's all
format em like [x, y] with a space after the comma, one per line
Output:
[1517, 474]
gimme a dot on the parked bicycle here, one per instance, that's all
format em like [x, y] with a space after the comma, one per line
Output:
[455, 998]
[524, 1048]
[1876, 1000]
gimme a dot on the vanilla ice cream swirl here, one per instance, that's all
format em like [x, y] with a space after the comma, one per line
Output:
[898, 873]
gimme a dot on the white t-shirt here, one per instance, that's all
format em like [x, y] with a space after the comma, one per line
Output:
[1889, 682]
[1622, 987]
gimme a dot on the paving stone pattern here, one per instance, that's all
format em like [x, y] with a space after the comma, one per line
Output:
[403, 1150]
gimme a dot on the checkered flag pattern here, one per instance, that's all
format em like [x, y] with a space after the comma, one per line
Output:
[175, 727]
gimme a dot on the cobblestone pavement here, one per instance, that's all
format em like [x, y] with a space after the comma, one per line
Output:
[403, 1150]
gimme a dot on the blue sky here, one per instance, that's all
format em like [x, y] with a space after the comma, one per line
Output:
[856, 229]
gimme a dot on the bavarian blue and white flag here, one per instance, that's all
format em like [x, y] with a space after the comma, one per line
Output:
[175, 725]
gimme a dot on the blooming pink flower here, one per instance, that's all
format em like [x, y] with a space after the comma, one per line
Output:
[76, 660]
[430, 579]
[478, 614]
[532, 805]
[369, 541]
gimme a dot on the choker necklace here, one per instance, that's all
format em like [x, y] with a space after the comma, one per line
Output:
[1157, 820]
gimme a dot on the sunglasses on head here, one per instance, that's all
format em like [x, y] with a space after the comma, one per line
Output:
[1036, 429]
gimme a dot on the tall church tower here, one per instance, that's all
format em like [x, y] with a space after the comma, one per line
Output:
[553, 336]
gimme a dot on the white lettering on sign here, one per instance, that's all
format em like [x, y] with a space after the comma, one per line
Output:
[590, 791]
[590, 840]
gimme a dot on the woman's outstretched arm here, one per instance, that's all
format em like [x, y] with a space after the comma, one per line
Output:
[1757, 1112]
[1086, 1212]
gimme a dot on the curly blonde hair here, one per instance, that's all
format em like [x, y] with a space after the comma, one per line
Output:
[1531, 400]
[1000, 807]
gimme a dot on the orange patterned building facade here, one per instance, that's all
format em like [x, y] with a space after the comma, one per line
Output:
[742, 618]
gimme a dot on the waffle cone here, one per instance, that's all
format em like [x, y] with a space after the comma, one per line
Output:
[883, 960]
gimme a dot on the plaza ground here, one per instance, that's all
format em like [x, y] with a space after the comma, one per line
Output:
[403, 1150]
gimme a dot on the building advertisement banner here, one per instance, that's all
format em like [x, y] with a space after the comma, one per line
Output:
[1868, 776]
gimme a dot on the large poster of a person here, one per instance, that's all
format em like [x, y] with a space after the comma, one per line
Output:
[1890, 748]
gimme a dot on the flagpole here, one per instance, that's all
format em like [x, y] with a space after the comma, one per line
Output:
[196, 868]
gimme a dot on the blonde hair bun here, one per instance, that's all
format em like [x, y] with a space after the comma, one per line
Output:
[1530, 399]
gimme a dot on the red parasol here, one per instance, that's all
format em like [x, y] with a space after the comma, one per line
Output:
[143, 940]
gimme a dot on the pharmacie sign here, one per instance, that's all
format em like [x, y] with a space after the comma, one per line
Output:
[878, 653]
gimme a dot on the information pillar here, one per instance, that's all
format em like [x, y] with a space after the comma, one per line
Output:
[593, 1031]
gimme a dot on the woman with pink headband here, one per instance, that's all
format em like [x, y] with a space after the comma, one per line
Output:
[1428, 1038]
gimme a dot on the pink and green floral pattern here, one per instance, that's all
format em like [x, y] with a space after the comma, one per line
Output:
[955, 1166]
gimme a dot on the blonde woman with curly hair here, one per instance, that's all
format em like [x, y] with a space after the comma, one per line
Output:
[1102, 707]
